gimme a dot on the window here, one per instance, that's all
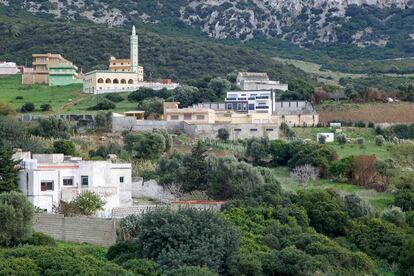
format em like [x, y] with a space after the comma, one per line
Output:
[108, 81]
[123, 81]
[131, 81]
[251, 106]
[116, 81]
[229, 106]
[85, 180]
[237, 129]
[121, 179]
[200, 117]
[253, 129]
[100, 80]
[67, 181]
[269, 129]
[239, 107]
[245, 107]
[187, 116]
[174, 117]
[46, 185]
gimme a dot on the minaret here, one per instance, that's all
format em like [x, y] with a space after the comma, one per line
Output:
[134, 51]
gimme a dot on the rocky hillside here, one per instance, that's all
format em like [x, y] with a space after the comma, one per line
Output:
[304, 22]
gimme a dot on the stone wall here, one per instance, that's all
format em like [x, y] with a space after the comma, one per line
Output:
[237, 131]
[120, 124]
[95, 231]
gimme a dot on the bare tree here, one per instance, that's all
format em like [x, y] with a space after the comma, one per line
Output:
[172, 192]
[304, 173]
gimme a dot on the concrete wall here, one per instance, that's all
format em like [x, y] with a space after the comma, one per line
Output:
[237, 131]
[150, 189]
[95, 231]
[120, 124]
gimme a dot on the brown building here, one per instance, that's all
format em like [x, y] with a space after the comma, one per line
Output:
[124, 65]
[41, 64]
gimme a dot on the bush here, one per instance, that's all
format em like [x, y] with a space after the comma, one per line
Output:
[145, 145]
[41, 239]
[371, 125]
[360, 140]
[142, 267]
[379, 140]
[68, 209]
[6, 109]
[16, 215]
[45, 107]
[286, 130]
[114, 98]
[357, 207]
[393, 215]
[223, 134]
[27, 107]
[193, 238]
[153, 107]
[321, 139]
[19, 98]
[64, 146]
[103, 121]
[341, 139]
[360, 124]
[52, 127]
[89, 203]
[141, 94]
[105, 150]
[103, 104]
[18, 266]
[190, 271]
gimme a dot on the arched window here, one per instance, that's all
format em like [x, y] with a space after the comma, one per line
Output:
[108, 81]
[100, 80]
[131, 81]
[123, 81]
[116, 81]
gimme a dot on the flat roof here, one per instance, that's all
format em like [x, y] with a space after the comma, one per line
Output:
[109, 72]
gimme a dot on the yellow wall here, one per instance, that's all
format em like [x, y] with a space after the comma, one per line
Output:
[91, 84]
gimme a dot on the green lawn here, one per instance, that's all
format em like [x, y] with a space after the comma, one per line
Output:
[63, 99]
[378, 200]
[369, 148]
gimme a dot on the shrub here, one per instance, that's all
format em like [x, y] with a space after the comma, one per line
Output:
[341, 139]
[141, 94]
[105, 150]
[223, 134]
[52, 127]
[6, 109]
[19, 98]
[142, 267]
[190, 271]
[145, 145]
[89, 203]
[68, 209]
[321, 139]
[114, 98]
[64, 146]
[45, 107]
[27, 107]
[371, 125]
[360, 140]
[379, 140]
[360, 124]
[286, 130]
[18, 266]
[394, 215]
[103, 104]
[41, 239]
[103, 121]
[16, 215]
[357, 207]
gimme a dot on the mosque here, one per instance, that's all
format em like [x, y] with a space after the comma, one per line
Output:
[124, 75]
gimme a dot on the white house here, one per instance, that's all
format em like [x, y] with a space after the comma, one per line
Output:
[253, 101]
[48, 178]
[8, 68]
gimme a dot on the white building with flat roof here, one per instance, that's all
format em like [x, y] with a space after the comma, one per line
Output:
[8, 68]
[48, 178]
[258, 81]
[253, 101]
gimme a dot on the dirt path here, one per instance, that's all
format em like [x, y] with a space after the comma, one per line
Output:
[72, 103]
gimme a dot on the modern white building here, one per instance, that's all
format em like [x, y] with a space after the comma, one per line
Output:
[253, 101]
[258, 81]
[48, 178]
[8, 68]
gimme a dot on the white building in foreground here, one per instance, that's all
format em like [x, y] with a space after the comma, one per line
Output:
[48, 178]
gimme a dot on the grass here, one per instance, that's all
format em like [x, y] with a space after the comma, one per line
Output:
[63, 99]
[369, 148]
[378, 200]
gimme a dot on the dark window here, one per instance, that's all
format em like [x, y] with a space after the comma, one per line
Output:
[121, 179]
[269, 129]
[46, 185]
[85, 180]
[68, 181]
[253, 129]
[237, 129]
[251, 106]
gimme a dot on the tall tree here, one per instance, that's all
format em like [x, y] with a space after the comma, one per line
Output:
[8, 169]
[195, 172]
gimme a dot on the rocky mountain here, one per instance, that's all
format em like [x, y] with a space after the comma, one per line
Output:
[362, 23]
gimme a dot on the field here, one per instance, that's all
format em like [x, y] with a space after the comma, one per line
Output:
[65, 99]
[371, 112]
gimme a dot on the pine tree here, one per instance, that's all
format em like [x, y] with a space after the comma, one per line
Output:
[8, 169]
[195, 173]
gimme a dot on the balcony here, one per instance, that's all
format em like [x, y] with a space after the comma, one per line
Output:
[262, 97]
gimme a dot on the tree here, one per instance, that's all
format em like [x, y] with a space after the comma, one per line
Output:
[6, 109]
[103, 121]
[186, 237]
[146, 145]
[223, 134]
[379, 140]
[321, 139]
[220, 86]
[27, 107]
[89, 203]
[141, 94]
[341, 139]
[16, 215]
[393, 215]
[52, 127]
[153, 107]
[304, 173]
[142, 267]
[257, 150]
[363, 170]
[281, 151]
[186, 95]
[116, 98]
[45, 107]
[194, 171]
[357, 207]
[103, 104]
[66, 147]
[407, 257]
[9, 171]
[190, 271]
